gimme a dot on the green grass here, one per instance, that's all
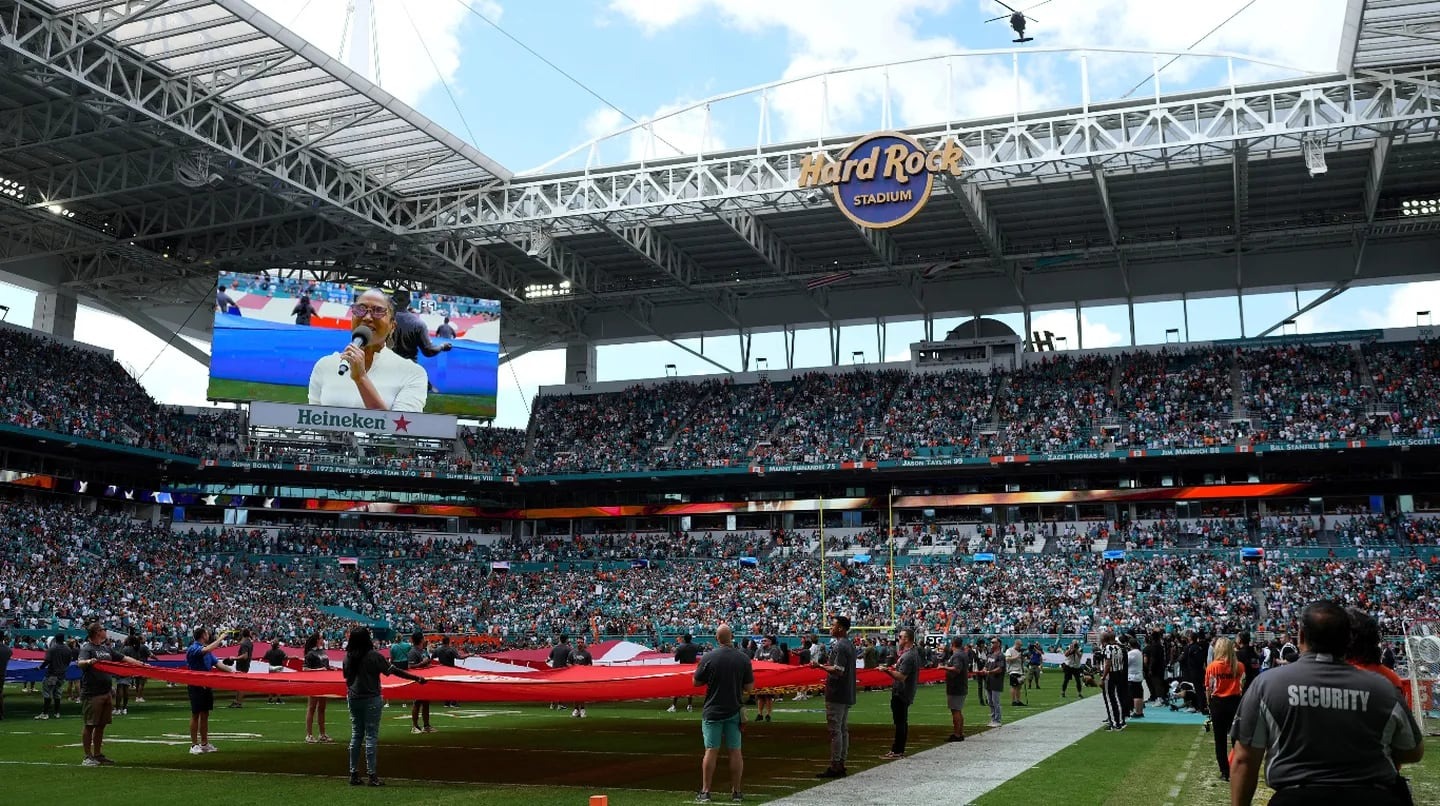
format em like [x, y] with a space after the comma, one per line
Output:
[498, 754]
[1143, 765]
[481, 406]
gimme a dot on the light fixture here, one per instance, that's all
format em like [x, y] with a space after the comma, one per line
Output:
[1414, 207]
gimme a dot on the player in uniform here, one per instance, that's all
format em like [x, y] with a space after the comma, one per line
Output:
[1330, 733]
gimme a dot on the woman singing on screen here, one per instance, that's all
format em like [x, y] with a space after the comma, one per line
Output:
[373, 376]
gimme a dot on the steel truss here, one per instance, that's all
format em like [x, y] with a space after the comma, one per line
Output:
[1145, 135]
[313, 170]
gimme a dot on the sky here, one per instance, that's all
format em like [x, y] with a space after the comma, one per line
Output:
[465, 64]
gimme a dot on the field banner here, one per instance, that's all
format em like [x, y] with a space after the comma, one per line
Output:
[570, 684]
[279, 338]
[329, 418]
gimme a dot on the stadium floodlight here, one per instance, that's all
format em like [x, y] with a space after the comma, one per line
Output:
[544, 290]
[1172, 331]
[1414, 207]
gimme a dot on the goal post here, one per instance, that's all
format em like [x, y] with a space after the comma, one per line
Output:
[1422, 657]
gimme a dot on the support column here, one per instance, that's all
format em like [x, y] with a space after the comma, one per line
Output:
[1079, 330]
[1029, 339]
[55, 313]
[580, 363]
[1185, 312]
[1131, 303]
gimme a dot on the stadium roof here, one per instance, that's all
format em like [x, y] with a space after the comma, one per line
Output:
[159, 141]
[1390, 33]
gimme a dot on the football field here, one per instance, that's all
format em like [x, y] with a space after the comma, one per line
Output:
[636, 753]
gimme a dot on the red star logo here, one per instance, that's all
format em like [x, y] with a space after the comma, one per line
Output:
[402, 424]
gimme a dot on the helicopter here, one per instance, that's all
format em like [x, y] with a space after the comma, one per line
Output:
[1018, 19]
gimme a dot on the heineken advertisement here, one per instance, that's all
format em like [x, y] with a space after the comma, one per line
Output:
[329, 418]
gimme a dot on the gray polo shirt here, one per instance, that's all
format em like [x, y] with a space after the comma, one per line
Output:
[1322, 721]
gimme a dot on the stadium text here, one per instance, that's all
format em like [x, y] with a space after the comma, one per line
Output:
[882, 180]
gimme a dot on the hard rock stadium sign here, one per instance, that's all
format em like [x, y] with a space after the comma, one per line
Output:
[884, 179]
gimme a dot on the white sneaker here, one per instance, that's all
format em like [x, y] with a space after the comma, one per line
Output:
[139, 699]
[993, 725]
[89, 762]
[582, 713]
[414, 729]
[669, 710]
[209, 748]
[689, 708]
[575, 714]
[47, 716]
[196, 749]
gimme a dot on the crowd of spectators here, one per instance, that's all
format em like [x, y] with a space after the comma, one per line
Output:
[1057, 403]
[68, 565]
[1403, 376]
[48, 385]
[1177, 400]
[1303, 393]
[1054, 405]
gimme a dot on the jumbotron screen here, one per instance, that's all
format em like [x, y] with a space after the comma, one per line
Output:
[293, 340]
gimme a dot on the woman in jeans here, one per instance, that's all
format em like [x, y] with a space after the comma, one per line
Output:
[1224, 683]
[363, 667]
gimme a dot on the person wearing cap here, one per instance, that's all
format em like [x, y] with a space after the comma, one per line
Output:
[839, 695]
[1329, 733]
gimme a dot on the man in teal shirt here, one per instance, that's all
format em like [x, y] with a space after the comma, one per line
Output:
[400, 655]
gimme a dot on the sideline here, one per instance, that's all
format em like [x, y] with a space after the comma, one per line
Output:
[962, 771]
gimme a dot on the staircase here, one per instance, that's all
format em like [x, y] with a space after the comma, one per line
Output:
[1262, 610]
[1052, 545]
[1237, 391]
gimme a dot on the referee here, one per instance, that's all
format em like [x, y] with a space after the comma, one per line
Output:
[1332, 733]
[1115, 686]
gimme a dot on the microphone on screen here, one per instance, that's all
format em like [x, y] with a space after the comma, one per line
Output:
[359, 337]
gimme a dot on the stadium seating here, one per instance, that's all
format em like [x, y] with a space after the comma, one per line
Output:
[1171, 398]
[68, 566]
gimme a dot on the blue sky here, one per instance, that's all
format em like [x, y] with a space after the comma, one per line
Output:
[650, 57]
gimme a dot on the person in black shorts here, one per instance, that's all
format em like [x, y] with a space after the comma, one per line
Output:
[275, 658]
[198, 658]
[418, 659]
[242, 665]
[686, 653]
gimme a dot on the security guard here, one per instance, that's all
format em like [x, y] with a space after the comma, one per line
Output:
[1333, 733]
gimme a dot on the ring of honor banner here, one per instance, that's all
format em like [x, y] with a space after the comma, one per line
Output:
[445, 683]
[330, 418]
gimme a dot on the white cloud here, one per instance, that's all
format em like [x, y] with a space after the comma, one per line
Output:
[1400, 308]
[675, 129]
[825, 36]
[406, 32]
[1062, 324]
[173, 378]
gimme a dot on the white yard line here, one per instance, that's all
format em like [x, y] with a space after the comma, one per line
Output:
[960, 772]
